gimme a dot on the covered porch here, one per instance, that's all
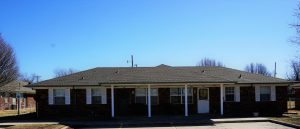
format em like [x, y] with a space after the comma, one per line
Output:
[181, 99]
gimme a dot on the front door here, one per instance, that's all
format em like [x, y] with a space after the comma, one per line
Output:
[203, 100]
[122, 101]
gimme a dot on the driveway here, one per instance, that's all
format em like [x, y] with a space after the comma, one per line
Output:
[250, 125]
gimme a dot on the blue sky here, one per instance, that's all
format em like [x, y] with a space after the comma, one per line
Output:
[49, 35]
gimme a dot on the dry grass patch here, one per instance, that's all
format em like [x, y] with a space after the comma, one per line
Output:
[4, 113]
[38, 126]
[290, 118]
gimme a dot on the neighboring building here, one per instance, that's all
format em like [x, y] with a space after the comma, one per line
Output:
[161, 90]
[9, 96]
[297, 95]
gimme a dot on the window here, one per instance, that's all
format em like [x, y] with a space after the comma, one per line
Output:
[203, 94]
[96, 96]
[59, 96]
[141, 96]
[229, 93]
[5, 100]
[265, 93]
[177, 95]
[14, 101]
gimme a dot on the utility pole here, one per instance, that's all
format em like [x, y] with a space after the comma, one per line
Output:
[37, 78]
[132, 61]
[275, 70]
[18, 99]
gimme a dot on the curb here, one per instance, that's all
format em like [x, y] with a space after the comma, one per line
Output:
[240, 121]
[285, 124]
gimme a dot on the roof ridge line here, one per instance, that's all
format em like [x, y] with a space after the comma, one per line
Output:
[218, 77]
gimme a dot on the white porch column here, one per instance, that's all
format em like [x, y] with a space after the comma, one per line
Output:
[186, 110]
[222, 98]
[112, 101]
[149, 101]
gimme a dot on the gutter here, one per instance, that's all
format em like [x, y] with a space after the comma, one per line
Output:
[128, 84]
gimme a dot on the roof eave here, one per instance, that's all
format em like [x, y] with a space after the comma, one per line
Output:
[126, 83]
[265, 82]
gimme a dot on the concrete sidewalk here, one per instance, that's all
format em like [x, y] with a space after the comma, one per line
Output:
[235, 120]
[144, 122]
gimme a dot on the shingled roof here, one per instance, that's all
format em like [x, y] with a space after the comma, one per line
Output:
[159, 74]
[16, 86]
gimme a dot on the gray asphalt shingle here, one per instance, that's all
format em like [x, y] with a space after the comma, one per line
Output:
[15, 86]
[159, 74]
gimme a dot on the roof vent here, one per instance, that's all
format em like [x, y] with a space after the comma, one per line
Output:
[240, 77]
[202, 71]
[117, 72]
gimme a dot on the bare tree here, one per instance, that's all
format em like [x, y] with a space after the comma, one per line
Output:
[33, 78]
[257, 68]
[8, 65]
[64, 72]
[295, 64]
[296, 39]
[210, 62]
[294, 75]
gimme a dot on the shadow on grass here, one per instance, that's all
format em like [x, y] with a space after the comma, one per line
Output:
[29, 116]
[141, 125]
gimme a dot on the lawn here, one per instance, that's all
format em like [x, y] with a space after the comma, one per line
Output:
[5, 113]
[293, 117]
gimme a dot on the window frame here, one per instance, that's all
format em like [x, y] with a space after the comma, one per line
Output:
[93, 95]
[145, 94]
[269, 94]
[198, 94]
[181, 94]
[55, 96]
[232, 92]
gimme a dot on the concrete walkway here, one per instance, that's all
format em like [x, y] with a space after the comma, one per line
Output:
[234, 120]
[142, 122]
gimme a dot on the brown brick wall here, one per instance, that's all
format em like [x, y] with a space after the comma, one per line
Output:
[247, 105]
[78, 107]
[9, 105]
[297, 96]
[27, 101]
[30, 102]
